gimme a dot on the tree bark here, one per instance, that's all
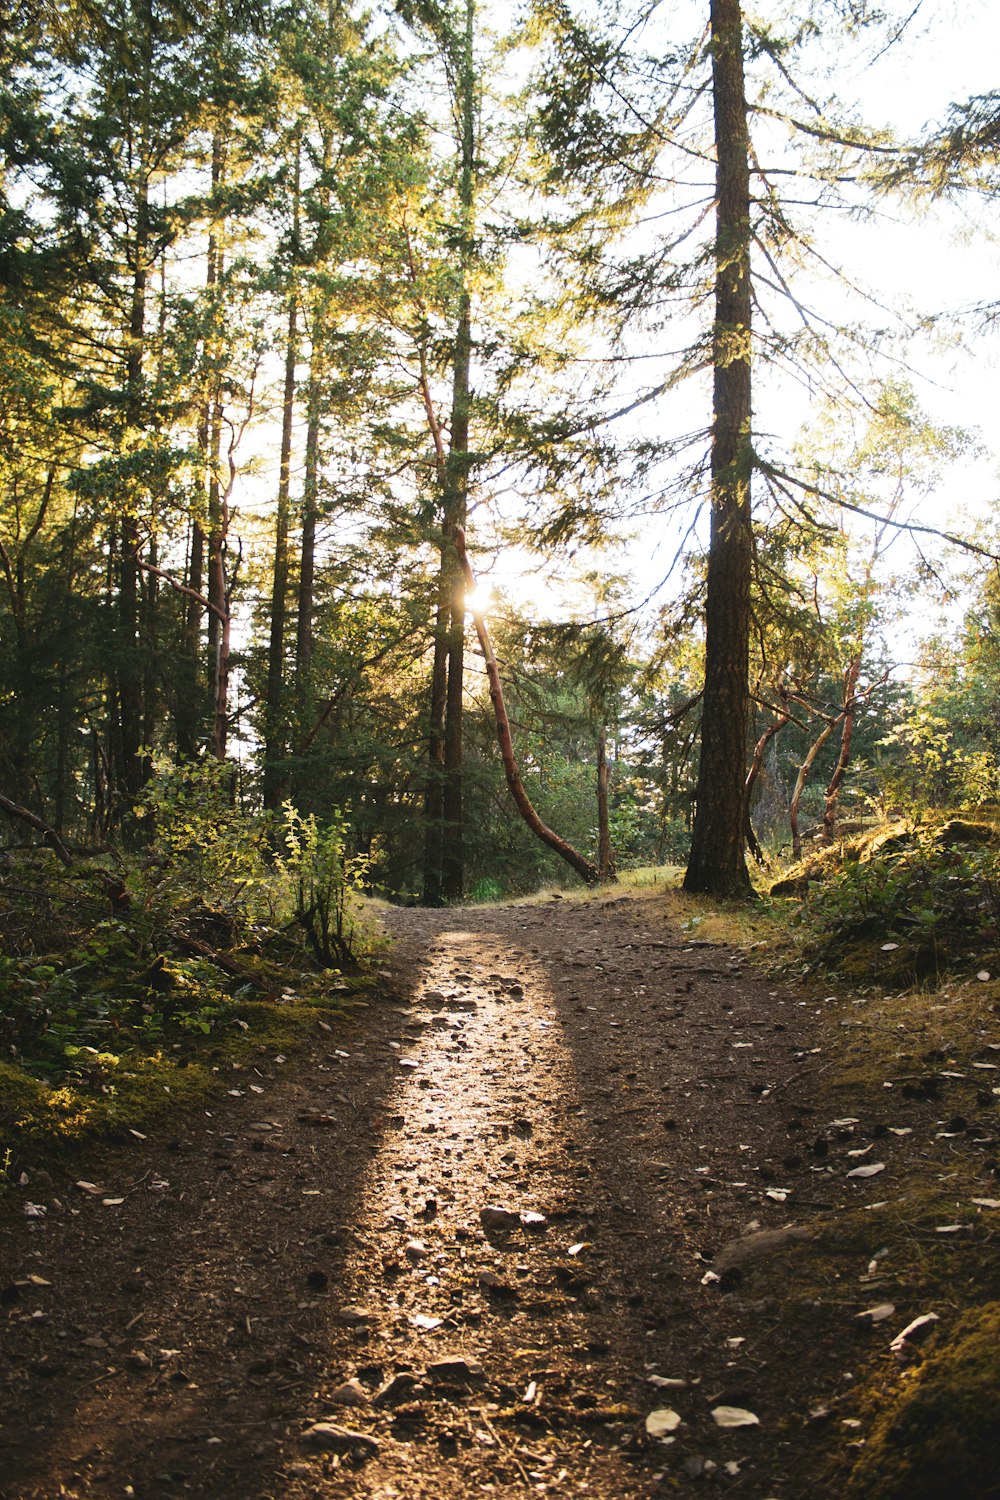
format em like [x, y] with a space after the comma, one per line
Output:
[49, 835]
[801, 778]
[214, 538]
[605, 853]
[130, 768]
[275, 746]
[456, 507]
[843, 759]
[434, 787]
[717, 861]
[307, 545]
[757, 760]
[456, 496]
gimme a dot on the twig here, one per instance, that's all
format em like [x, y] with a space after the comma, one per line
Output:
[505, 1448]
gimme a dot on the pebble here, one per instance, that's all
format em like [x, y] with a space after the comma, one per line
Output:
[456, 1368]
[354, 1317]
[756, 1246]
[399, 1388]
[351, 1393]
[499, 1221]
[333, 1439]
[495, 1285]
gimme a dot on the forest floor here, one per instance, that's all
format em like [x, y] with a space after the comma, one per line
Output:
[305, 1293]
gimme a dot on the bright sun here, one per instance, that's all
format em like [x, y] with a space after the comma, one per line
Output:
[481, 599]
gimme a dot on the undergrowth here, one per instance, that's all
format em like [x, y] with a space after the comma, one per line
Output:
[127, 983]
[913, 907]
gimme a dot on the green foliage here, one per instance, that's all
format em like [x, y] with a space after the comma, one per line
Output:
[935, 901]
[204, 845]
[97, 966]
[930, 766]
[327, 883]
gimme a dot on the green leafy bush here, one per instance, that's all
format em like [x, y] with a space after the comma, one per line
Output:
[939, 907]
[327, 883]
[204, 846]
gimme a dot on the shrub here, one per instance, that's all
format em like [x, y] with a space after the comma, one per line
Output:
[327, 883]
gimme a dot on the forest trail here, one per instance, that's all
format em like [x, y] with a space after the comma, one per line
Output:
[301, 1296]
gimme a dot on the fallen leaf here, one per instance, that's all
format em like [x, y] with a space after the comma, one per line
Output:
[871, 1170]
[918, 1329]
[987, 1202]
[876, 1314]
[424, 1322]
[659, 1423]
[734, 1416]
[90, 1187]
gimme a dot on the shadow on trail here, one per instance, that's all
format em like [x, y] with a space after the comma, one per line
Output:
[179, 1342]
[572, 1061]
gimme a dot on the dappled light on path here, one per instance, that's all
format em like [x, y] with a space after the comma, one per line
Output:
[484, 1117]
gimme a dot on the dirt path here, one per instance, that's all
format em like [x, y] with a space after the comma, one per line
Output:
[627, 1096]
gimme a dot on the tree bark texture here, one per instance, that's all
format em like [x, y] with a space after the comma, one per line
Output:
[214, 539]
[275, 739]
[307, 543]
[434, 787]
[605, 853]
[717, 861]
[129, 686]
[802, 777]
[446, 849]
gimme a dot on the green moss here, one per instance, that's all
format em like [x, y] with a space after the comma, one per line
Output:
[54, 1124]
[938, 1433]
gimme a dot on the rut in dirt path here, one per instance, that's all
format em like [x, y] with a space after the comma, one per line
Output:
[342, 1310]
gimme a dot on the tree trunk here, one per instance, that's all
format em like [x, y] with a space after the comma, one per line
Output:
[190, 684]
[843, 759]
[275, 746]
[605, 853]
[307, 549]
[434, 788]
[717, 861]
[130, 768]
[214, 537]
[456, 496]
[150, 694]
[800, 781]
[456, 506]
[756, 762]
